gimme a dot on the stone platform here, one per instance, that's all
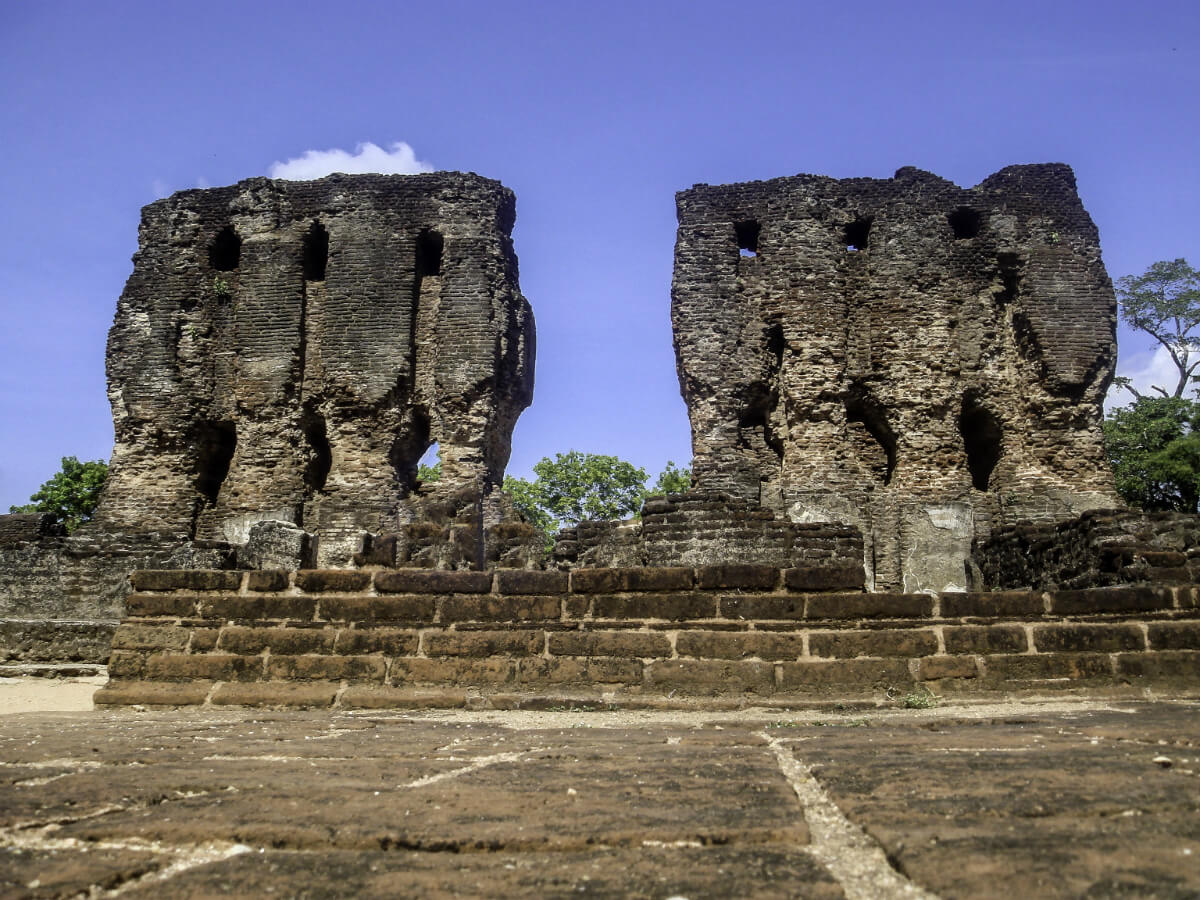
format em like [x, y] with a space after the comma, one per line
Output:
[1050, 800]
[721, 636]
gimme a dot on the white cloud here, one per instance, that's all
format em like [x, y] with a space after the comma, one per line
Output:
[398, 159]
[1144, 369]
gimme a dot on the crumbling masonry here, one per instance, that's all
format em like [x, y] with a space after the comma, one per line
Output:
[923, 361]
[289, 350]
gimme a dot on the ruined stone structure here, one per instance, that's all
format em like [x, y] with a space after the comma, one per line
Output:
[923, 361]
[289, 350]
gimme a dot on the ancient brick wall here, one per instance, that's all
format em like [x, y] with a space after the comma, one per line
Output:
[289, 350]
[1100, 548]
[921, 360]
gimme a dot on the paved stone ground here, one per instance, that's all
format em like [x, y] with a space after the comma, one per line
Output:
[1070, 798]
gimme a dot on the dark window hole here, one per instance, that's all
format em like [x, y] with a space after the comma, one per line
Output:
[865, 411]
[215, 446]
[225, 252]
[965, 223]
[429, 253]
[320, 455]
[316, 252]
[982, 437]
[747, 237]
[857, 233]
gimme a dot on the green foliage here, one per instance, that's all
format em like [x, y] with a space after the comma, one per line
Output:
[1164, 302]
[575, 486]
[1154, 448]
[429, 474]
[71, 495]
[525, 498]
[672, 480]
[920, 699]
[221, 288]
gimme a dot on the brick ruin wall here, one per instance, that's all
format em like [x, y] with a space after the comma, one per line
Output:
[289, 351]
[923, 361]
[285, 352]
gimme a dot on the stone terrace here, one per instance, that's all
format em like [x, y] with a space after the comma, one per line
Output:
[715, 636]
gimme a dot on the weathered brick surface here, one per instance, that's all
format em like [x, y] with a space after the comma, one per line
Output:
[634, 578]
[161, 604]
[1123, 599]
[421, 581]
[316, 581]
[849, 644]
[737, 645]
[1092, 638]
[326, 668]
[276, 694]
[285, 641]
[377, 696]
[185, 580]
[521, 608]
[824, 675]
[1174, 635]
[266, 580]
[395, 608]
[453, 671]
[628, 644]
[985, 639]
[485, 643]
[150, 637]
[675, 607]
[740, 606]
[389, 641]
[705, 676]
[203, 667]
[519, 581]
[1177, 664]
[824, 578]
[152, 693]
[998, 603]
[869, 606]
[746, 576]
[933, 668]
[257, 606]
[534, 671]
[1047, 669]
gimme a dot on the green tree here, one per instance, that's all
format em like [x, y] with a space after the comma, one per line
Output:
[429, 474]
[1164, 302]
[672, 480]
[1154, 448]
[71, 495]
[575, 486]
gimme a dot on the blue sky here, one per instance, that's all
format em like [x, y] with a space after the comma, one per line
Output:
[595, 114]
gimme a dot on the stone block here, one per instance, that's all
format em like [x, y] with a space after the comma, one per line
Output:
[388, 641]
[1046, 669]
[633, 578]
[320, 581]
[764, 645]
[275, 693]
[735, 576]
[152, 693]
[276, 544]
[485, 643]
[284, 641]
[432, 581]
[257, 606]
[710, 676]
[934, 668]
[535, 671]
[985, 604]
[673, 607]
[1110, 600]
[267, 581]
[624, 644]
[369, 610]
[185, 580]
[326, 668]
[458, 671]
[150, 637]
[1183, 635]
[985, 639]
[850, 644]
[824, 675]
[935, 544]
[127, 664]
[1165, 664]
[496, 608]
[203, 667]
[770, 606]
[161, 605]
[378, 696]
[825, 578]
[1079, 638]
[869, 606]
[522, 581]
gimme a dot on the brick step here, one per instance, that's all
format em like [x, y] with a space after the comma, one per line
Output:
[730, 634]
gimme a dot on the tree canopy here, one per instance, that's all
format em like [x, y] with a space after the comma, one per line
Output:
[1154, 448]
[71, 495]
[1164, 302]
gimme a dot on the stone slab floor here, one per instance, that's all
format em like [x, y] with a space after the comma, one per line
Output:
[1063, 798]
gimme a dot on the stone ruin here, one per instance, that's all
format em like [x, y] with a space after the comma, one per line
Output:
[894, 389]
[925, 362]
[288, 351]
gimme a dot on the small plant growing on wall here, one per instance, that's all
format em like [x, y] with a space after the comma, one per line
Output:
[221, 288]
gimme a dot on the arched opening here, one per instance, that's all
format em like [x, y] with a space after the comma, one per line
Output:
[747, 233]
[316, 252]
[965, 223]
[216, 443]
[858, 233]
[982, 439]
[225, 252]
[429, 253]
[879, 453]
